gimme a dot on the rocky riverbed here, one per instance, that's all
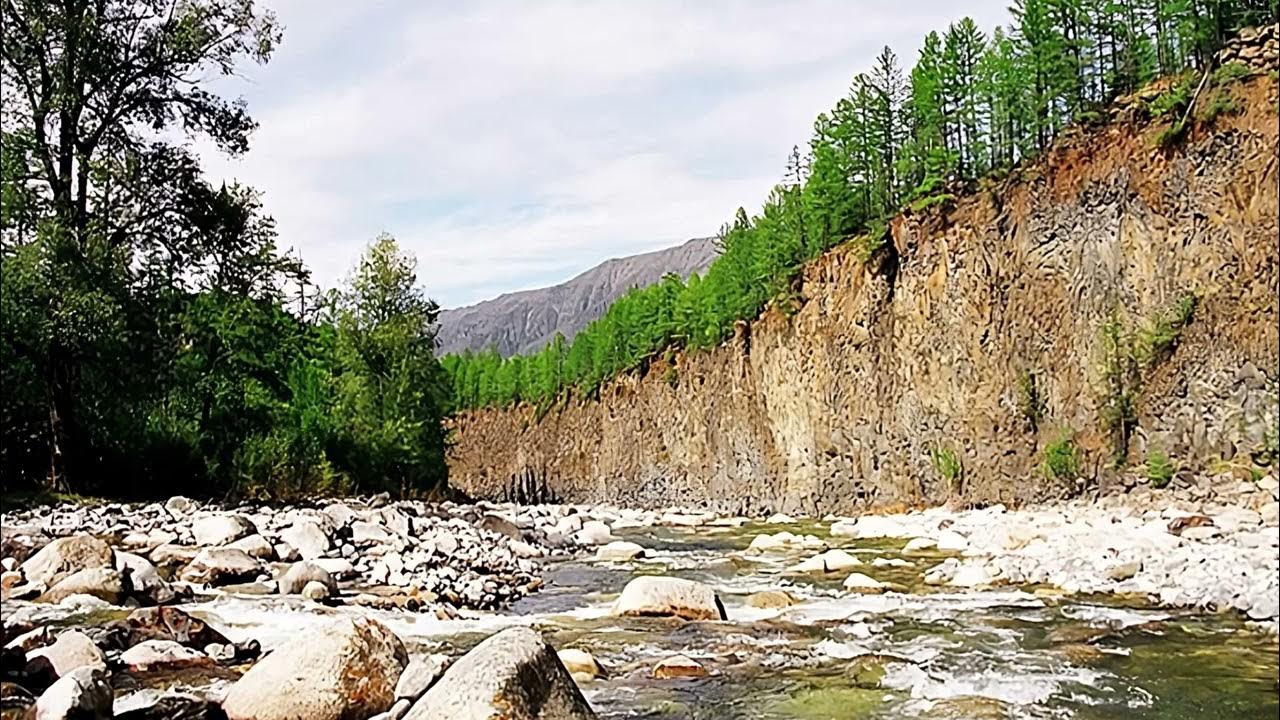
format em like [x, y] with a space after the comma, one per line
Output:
[1146, 604]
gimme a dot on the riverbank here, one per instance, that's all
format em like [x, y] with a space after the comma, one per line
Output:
[1019, 611]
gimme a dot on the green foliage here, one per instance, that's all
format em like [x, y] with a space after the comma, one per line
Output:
[1120, 387]
[1155, 341]
[1030, 402]
[1174, 100]
[947, 464]
[1062, 460]
[1160, 469]
[150, 334]
[1232, 72]
[1221, 103]
[973, 105]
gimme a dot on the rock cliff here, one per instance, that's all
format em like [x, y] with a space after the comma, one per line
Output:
[1049, 305]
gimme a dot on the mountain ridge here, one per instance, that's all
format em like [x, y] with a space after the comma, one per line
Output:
[526, 320]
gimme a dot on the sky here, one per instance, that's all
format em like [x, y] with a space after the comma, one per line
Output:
[512, 145]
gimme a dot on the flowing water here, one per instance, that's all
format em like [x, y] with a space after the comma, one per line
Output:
[1007, 653]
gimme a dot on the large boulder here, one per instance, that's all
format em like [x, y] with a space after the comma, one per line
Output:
[213, 530]
[221, 566]
[650, 595]
[81, 694]
[307, 538]
[72, 649]
[256, 546]
[169, 623]
[513, 675]
[66, 556]
[103, 583]
[345, 671]
[147, 585]
[300, 574]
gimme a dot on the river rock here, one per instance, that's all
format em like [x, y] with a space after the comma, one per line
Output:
[221, 566]
[162, 654]
[307, 538]
[857, 582]
[367, 533]
[419, 675]
[300, 574]
[103, 583]
[619, 551]
[169, 555]
[593, 532]
[346, 670]
[214, 530]
[919, 546]
[171, 624]
[579, 663]
[770, 599]
[80, 694]
[870, 527]
[500, 525]
[650, 595]
[65, 556]
[255, 546]
[829, 561]
[72, 649]
[315, 590]
[144, 579]
[179, 507]
[780, 519]
[171, 707]
[951, 541]
[16, 702]
[512, 675]
[679, 666]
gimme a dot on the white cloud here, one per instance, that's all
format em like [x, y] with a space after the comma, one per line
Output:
[510, 144]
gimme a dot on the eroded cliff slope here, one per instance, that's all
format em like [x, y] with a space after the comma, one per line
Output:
[981, 331]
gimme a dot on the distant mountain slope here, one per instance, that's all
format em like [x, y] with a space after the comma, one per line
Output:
[526, 321]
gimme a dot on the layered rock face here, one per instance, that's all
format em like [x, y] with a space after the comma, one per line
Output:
[980, 331]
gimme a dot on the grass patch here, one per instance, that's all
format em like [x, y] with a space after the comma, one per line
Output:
[27, 499]
[948, 465]
[1062, 460]
[1160, 469]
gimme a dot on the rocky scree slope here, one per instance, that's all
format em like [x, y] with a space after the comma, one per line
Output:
[980, 330]
[526, 321]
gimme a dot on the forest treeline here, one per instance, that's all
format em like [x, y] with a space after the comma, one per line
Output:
[974, 104]
[154, 340]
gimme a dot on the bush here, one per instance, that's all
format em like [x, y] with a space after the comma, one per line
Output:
[1175, 99]
[672, 376]
[1160, 469]
[1230, 73]
[947, 464]
[1171, 136]
[1061, 460]
[1155, 342]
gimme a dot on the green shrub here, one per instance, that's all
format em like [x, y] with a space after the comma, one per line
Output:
[1118, 407]
[1156, 341]
[924, 203]
[1175, 99]
[947, 464]
[1230, 73]
[1061, 460]
[1160, 469]
[672, 376]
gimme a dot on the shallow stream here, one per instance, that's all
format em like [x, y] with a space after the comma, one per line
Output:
[1007, 653]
